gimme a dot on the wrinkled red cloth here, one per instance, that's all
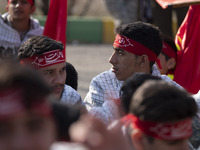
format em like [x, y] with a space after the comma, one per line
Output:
[55, 26]
[165, 3]
[187, 72]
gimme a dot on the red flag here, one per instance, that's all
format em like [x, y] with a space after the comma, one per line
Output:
[187, 72]
[176, 3]
[55, 26]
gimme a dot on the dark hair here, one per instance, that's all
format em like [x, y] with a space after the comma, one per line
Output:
[160, 101]
[130, 86]
[144, 33]
[33, 87]
[72, 76]
[167, 39]
[64, 116]
[38, 45]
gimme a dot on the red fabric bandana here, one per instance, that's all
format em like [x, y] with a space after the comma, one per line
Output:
[168, 50]
[30, 1]
[135, 47]
[11, 103]
[47, 59]
[165, 131]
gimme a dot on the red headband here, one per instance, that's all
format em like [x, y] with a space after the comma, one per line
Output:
[135, 47]
[46, 59]
[11, 103]
[165, 131]
[30, 1]
[168, 50]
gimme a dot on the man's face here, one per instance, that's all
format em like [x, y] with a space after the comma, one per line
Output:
[167, 64]
[124, 64]
[166, 145]
[163, 63]
[27, 131]
[55, 76]
[20, 10]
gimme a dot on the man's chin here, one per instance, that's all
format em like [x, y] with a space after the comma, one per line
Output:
[57, 92]
[57, 95]
[119, 77]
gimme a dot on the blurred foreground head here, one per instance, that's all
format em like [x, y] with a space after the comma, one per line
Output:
[26, 120]
[161, 116]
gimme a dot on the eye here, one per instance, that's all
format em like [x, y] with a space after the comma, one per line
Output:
[120, 52]
[24, 2]
[14, 2]
[48, 72]
[63, 69]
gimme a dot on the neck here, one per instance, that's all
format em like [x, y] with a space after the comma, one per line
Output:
[20, 25]
[145, 69]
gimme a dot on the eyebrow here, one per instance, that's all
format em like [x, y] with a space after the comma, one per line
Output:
[119, 49]
[48, 70]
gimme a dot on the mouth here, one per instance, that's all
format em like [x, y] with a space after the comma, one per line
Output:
[57, 89]
[114, 69]
[18, 12]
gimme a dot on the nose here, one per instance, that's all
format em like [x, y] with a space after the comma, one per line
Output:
[59, 78]
[113, 58]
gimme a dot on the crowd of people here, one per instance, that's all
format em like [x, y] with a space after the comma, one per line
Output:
[135, 105]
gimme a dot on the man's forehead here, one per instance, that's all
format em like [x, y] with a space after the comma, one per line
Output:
[122, 50]
[54, 67]
[118, 49]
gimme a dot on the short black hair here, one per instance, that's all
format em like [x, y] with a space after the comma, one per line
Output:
[130, 86]
[72, 76]
[64, 115]
[38, 45]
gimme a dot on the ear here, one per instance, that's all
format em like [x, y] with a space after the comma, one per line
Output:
[143, 59]
[171, 63]
[33, 8]
[138, 139]
[144, 63]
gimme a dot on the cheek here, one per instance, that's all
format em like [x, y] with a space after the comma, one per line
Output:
[128, 69]
[130, 65]
[162, 60]
[48, 79]
[63, 75]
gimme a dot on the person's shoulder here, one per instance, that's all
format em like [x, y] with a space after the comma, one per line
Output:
[169, 80]
[36, 24]
[3, 18]
[105, 75]
[70, 95]
[69, 89]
